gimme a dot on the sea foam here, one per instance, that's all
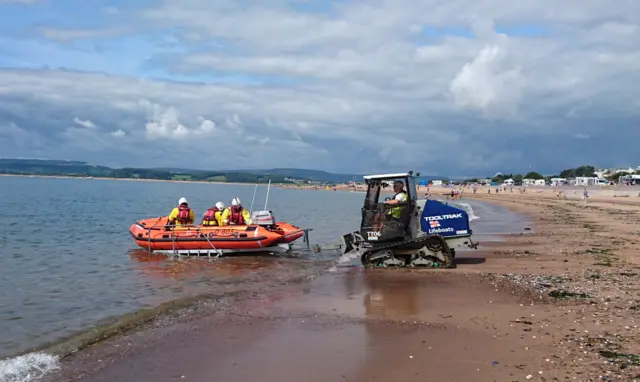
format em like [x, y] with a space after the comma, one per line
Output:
[27, 367]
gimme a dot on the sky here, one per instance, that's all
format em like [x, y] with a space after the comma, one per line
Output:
[457, 87]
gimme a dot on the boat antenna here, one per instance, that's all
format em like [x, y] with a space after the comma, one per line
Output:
[266, 200]
[254, 197]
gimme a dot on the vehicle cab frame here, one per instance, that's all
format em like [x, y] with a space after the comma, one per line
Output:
[375, 215]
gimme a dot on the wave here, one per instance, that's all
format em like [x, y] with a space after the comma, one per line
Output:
[28, 367]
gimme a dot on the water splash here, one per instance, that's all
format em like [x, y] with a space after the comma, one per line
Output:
[27, 367]
[467, 208]
[345, 258]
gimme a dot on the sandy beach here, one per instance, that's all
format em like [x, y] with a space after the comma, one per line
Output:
[558, 302]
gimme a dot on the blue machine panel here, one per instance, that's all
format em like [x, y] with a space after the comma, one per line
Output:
[439, 218]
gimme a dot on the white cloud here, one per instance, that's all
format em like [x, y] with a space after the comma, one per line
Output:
[118, 133]
[74, 34]
[459, 85]
[86, 123]
[485, 84]
[164, 123]
[110, 10]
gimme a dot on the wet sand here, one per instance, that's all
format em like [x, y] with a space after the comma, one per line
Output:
[558, 303]
[352, 325]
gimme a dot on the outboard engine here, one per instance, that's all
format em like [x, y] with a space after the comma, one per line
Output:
[264, 218]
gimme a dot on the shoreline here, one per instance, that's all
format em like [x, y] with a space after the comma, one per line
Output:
[550, 274]
[132, 179]
[278, 185]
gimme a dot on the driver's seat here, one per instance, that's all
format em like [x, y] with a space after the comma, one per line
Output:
[395, 228]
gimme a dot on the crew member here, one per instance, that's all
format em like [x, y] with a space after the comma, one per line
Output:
[236, 215]
[182, 215]
[213, 216]
[399, 198]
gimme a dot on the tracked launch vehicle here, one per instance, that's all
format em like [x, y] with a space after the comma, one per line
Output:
[422, 233]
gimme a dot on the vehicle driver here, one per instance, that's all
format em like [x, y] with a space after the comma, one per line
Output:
[399, 200]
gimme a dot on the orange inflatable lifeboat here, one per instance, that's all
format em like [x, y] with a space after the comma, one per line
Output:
[265, 236]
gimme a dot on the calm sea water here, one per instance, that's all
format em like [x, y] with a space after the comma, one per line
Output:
[68, 261]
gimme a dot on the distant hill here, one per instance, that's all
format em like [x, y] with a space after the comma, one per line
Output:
[51, 167]
[79, 168]
[82, 169]
[297, 173]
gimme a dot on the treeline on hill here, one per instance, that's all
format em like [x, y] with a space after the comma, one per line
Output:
[82, 169]
[588, 171]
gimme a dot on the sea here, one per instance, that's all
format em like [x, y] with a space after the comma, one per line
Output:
[69, 264]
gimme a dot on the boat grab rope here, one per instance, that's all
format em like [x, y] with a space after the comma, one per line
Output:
[174, 250]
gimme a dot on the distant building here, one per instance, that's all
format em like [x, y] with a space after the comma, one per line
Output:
[558, 181]
[602, 173]
[508, 182]
[585, 181]
[436, 183]
[633, 179]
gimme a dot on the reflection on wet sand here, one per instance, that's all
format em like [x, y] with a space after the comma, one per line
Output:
[157, 265]
[167, 277]
[387, 294]
[391, 299]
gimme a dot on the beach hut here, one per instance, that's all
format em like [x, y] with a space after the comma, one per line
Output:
[585, 181]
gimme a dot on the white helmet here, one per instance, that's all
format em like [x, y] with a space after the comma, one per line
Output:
[235, 202]
[182, 201]
[220, 206]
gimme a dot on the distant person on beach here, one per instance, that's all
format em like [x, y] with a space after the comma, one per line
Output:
[585, 195]
[236, 214]
[213, 216]
[182, 215]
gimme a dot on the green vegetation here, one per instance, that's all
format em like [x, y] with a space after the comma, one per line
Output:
[82, 169]
[578, 171]
[533, 175]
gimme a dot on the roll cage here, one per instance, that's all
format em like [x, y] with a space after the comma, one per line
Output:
[375, 212]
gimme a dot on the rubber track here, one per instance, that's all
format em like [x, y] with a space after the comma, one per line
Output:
[416, 240]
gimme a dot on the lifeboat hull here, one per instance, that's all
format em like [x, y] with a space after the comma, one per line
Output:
[289, 232]
[155, 236]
